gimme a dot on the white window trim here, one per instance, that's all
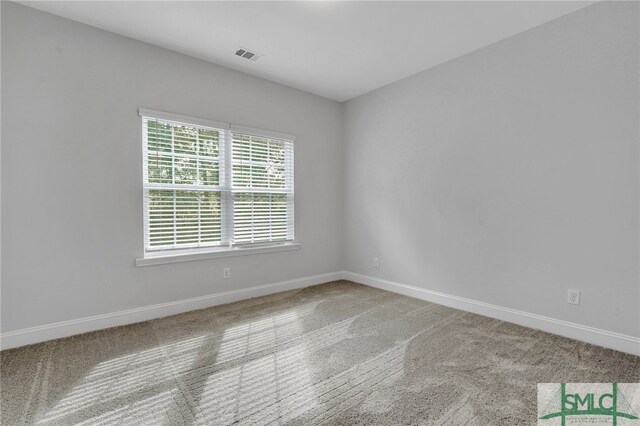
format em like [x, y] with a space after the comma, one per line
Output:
[192, 254]
[169, 116]
[189, 255]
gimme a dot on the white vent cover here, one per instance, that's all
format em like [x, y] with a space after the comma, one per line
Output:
[247, 54]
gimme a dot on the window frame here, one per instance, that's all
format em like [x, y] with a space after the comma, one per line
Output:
[226, 187]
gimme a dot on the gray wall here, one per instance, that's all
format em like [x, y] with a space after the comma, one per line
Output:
[71, 170]
[507, 175]
[510, 174]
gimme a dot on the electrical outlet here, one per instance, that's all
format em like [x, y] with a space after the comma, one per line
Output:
[376, 262]
[227, 273]
[573, 297]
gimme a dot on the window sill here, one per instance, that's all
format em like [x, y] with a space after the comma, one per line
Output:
[162, 258]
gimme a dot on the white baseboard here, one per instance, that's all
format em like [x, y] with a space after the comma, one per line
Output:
[27, 336]
[596, 336]
[608, 339]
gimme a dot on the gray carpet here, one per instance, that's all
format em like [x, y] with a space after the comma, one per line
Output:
[337, 354]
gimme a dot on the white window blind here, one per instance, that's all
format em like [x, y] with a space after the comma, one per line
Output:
[262, 171]
[206, 185]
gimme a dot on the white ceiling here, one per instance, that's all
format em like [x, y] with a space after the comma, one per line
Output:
[338, 50]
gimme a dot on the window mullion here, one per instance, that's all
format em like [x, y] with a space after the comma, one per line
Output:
[226, 198]
[173, 181]
[198, 182]
[289, 186]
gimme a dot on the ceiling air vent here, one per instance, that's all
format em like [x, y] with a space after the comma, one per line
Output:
[244, 53]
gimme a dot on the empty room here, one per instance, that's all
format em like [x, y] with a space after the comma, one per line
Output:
[320, 213]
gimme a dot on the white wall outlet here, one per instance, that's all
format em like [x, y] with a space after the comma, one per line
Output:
[376, 262]
[573, 297]
[227, 273]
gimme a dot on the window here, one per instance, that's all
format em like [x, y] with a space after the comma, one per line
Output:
[210, 185]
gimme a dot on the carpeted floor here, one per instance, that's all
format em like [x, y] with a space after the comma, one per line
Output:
[336, 354]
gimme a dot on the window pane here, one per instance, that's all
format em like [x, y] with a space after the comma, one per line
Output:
[185, 171]
[260, 217]
[209, 172]
[158, 137]
[210, 217]
[258, 162]
[185, 140]
[183, 218]
[180, 154]
[209, 142]
[159, 168]
[160, 217]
